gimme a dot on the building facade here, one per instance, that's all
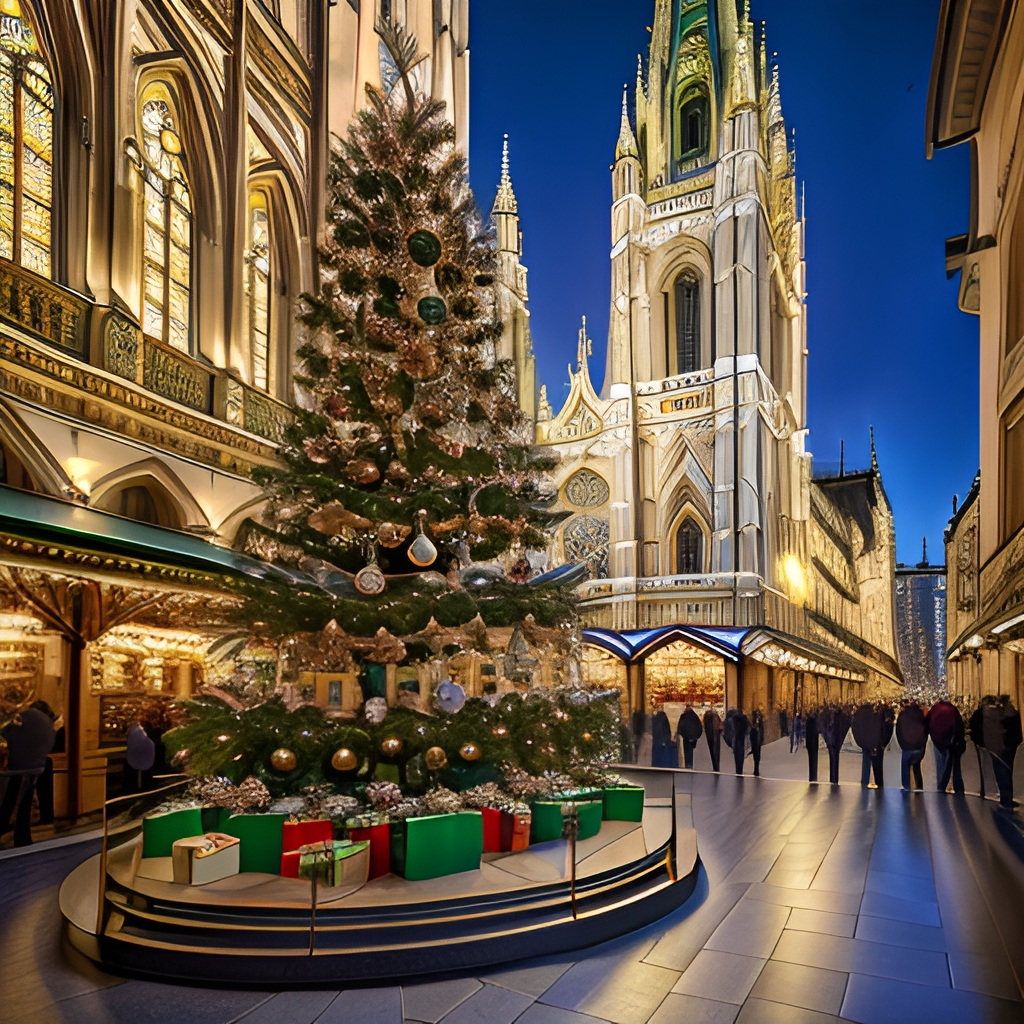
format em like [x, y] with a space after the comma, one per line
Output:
[686, 479]
[162, 172]
[975, 98]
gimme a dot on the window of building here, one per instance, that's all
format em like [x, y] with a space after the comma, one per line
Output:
[692, 125]
[1012, 484]
[689, 547]
[258, 287]
[687, 336]
[1015, 281]
[26, 145]
[167, 248]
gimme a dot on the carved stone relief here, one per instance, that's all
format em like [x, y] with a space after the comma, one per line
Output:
[586, 489]
[585, 539]
[122, 348]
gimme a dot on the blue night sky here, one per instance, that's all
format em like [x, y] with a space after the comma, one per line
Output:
[887, 344]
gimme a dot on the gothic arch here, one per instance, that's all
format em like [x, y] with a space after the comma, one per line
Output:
[688, 259]
[44, 472]
[688, 523]
[174, 503]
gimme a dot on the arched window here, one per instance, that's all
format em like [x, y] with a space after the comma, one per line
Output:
[689, 547]
[687, 340]
[167, 248]
[692, 125]
[143, 504]
[26, 145]
[258, 288]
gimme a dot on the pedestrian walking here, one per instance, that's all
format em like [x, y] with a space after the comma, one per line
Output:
[713, 735]
[912, 736]
[689, 730]
[949, 736]
[1001, 727]
[833, 725]
[811, 742]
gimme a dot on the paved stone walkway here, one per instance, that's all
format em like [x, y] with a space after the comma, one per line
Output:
[815, 904]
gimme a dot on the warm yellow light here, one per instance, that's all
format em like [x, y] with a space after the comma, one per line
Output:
[796, 578]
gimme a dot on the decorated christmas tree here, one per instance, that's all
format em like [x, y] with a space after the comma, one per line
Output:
[409, 486]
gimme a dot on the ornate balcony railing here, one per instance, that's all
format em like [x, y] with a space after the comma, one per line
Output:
[44, 310]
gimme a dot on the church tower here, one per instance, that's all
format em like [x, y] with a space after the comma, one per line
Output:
[696, 441]
[510, 291]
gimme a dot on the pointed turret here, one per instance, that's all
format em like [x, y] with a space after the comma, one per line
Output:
[627, 177]
[505, 210]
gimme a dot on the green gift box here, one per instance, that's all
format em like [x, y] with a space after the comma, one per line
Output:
[547, 816]
[161, 831]
[337, 862]
[261, 836]
[440, 844]
[624, 803]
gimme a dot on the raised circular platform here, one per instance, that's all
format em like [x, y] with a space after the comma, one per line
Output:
[260, 929]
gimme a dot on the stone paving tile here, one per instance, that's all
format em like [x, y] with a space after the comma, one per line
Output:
[900, 933]
[751, 929]
[541, 1014]
[807, 899]
[685, 939]
[293, 1007]
[886, 1001]
[836, 953]
[489, 1005]
[905, 887]
[693, 1010]
[978, 972]
[822, 921]
[612, 988]
[761, 1011]
[875, 904]
[810, 988]
[726, 977]
[791, 878]
[431, 1001]
[366, 1005]
[531, 981]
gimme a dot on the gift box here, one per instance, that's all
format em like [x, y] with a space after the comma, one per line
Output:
[624, 803]
[379, 838]
[201, 859]
[161, 831]
[546, 823]
[504, 832]
[304, 833]
[335, 862]
[261, 836]
[440, 844]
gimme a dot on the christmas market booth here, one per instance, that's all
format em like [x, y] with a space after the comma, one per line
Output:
[717, 668]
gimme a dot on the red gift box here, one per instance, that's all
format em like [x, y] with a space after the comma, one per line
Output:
[379, 838]
[305, 833]
[505, 832]
[290, 864]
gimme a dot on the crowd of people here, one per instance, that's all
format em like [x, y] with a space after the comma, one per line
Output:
[994, 728]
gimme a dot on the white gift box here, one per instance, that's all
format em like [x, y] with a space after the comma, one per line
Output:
[201, 859]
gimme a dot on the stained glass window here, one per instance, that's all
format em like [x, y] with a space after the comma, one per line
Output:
[26, 144]
[258, 284]
[689, 548]
[167, 231]
[687, 322]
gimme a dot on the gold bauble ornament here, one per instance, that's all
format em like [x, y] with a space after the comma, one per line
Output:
[283, 760]
[587, 737]
[391, 746]
[500, 730]
[344, 760]
[435, 758]
[470, 751]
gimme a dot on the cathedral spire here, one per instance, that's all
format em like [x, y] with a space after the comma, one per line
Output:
[505, 200]
[626, 146]
[874, 454]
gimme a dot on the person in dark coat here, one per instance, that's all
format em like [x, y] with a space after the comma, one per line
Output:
[947, 732]
[1001, 728]
[665, 753]
[28, 745]
[976, 731]
[872, 729]
[833, 725]
[756, 739]
[811, 742]
[713, 735]
[912, 736]
[689, 730]
[740, 728]
[796, 732]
